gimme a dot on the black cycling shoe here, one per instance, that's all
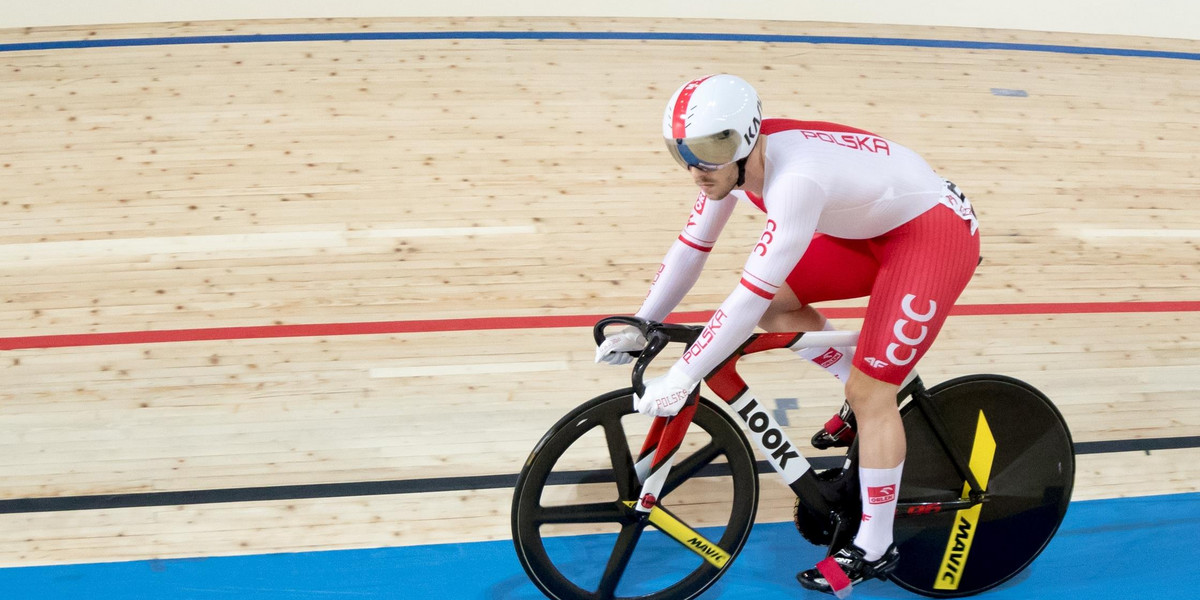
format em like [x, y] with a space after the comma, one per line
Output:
[838, 573]
[838, 431]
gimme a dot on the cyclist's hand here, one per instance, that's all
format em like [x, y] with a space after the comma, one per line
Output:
[665, 395]
[616, 347]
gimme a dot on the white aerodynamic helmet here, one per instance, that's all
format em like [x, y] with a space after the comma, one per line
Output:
[712, 121]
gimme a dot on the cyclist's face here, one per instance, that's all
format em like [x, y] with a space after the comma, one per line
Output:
[716, 184]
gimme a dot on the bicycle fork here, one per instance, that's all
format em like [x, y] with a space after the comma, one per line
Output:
[666, 433]
[658, 452]
[652, 468]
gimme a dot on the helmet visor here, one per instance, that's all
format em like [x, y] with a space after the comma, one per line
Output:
[706, 151]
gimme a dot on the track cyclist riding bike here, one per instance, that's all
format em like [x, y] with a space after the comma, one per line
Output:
[848, 214]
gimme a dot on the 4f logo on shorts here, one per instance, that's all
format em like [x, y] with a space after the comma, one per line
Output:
[875, 362]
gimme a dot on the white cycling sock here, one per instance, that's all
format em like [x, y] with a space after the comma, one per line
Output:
[835, 360]
[880, 489]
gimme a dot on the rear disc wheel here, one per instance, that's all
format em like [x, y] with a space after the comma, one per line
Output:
[1018, 442]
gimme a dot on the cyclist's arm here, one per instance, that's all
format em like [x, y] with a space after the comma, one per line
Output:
[793, 208]
[680, 268]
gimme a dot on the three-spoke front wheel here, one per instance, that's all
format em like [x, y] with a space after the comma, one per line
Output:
[575, 526]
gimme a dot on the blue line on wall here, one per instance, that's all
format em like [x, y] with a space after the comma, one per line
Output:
[593, 35]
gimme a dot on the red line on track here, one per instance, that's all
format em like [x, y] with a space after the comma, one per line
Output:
[531, 322]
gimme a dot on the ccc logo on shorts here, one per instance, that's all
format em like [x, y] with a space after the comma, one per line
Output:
[908, 344]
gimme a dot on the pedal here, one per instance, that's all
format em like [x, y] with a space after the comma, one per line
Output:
[838, 431]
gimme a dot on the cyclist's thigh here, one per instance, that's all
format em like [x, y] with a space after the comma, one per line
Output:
[833, 269]
[924, 266]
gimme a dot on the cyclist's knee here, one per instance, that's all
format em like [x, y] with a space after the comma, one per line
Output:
[784, 315]
[777, 319]
[869, 397]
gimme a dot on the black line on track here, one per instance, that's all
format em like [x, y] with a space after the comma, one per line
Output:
[445, 484]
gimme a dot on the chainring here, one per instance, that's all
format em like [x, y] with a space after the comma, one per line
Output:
[819, 528]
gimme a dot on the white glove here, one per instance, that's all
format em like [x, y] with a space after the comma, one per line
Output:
[616, 347]
[666, 394]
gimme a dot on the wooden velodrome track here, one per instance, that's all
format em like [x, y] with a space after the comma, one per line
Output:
[449, 214]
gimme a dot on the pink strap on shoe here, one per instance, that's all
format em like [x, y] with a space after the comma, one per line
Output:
[836, 577]
[834, 425]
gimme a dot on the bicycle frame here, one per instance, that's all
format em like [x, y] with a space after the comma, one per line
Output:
[963, 435]
[835, 497]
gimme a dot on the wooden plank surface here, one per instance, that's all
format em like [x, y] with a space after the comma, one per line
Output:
[223, 185]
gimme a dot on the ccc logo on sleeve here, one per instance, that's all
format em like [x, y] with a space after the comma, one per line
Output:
[766, 238]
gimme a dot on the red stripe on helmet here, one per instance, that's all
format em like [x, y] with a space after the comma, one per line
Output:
[679, 115]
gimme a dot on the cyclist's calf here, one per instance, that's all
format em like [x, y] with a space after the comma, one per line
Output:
[880, 430]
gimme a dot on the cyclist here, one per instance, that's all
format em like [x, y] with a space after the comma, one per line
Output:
[848, 214]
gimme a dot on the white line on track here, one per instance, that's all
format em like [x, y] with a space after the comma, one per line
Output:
[234, 243]
[468, 369]
[1139, 233]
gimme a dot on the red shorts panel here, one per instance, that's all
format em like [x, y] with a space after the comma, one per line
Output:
[913, 274]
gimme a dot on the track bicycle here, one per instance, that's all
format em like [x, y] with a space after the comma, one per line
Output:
[986, 483]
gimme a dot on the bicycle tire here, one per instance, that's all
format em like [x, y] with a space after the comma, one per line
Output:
[528, 514]
[1029, 483]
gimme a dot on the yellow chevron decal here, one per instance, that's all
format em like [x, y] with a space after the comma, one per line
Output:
[966, 521]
